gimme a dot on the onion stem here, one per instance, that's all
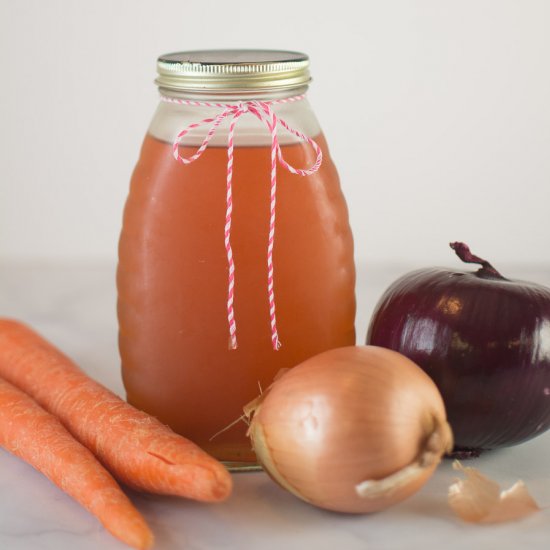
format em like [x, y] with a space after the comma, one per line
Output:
[437, 443]
[487, 270]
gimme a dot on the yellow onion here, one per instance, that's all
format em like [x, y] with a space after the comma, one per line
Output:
[353, 429]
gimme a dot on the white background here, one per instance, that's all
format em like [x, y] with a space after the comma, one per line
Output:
[437, 114]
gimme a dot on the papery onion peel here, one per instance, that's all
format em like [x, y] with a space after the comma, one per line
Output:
[478, 499]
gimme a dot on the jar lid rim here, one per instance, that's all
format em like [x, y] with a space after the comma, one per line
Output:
[232, 69]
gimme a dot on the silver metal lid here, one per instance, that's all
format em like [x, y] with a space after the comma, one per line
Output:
[232, 70]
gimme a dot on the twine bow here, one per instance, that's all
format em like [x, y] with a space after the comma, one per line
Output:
[262, 111]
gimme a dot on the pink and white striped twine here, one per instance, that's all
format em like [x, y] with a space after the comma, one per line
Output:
[261, 110]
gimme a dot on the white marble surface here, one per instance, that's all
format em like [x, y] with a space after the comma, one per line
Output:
[74, 306]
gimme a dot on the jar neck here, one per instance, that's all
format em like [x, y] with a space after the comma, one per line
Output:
[230, 96]
[172, 117]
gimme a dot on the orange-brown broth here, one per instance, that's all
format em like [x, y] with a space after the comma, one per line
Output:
[172, 283]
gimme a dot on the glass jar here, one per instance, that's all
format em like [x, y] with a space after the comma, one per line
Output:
[215, 293]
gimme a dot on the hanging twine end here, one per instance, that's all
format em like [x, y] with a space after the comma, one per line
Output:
[232, 343]
[276, 343]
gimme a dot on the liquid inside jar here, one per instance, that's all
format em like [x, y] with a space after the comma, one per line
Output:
[173, 275]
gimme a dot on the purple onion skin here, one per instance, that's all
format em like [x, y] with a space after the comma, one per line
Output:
[484, 340]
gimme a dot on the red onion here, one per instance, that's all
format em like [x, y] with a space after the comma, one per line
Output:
[483, 339]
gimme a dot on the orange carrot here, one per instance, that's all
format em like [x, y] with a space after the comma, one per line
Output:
[135, 447]
[28, 431]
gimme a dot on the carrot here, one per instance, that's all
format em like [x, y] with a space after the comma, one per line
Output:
[28, 431]
[135, 447]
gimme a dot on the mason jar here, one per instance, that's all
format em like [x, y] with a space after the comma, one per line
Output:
[236, 255]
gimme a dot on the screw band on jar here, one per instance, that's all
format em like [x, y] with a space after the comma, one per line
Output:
[263, 112]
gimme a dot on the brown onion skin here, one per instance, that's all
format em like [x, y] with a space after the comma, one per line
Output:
[484, 340]
[329, 425]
